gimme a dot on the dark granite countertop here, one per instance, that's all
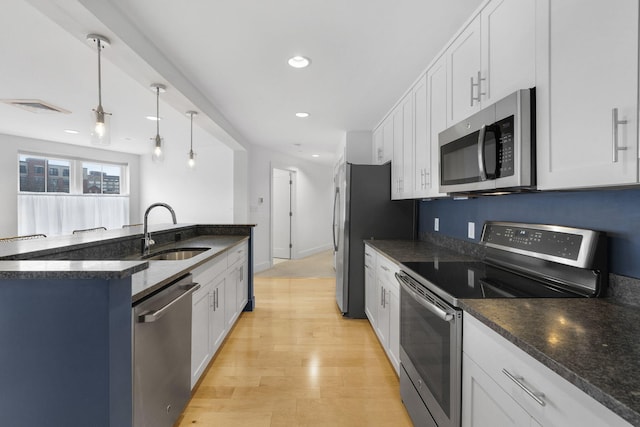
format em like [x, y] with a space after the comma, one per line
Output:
[147, 276]
[591, 342]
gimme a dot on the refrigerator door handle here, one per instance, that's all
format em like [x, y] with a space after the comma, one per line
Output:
[335, 205]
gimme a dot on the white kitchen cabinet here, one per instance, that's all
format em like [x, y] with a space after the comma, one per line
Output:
[489, 394]
[492, 57]
[436, 121]
[216, 306]
[383, 142]
[422, 148]
[388, 309]
[463, 61]
[402, 162]
[585, 77]
[485, 403]
[370, 285]
[208, 323]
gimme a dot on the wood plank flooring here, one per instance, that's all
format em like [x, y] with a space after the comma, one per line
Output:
[295, 361]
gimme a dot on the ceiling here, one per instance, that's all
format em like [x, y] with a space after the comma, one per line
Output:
[226, 59]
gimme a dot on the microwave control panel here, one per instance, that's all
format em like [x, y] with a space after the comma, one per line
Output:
[505, 154]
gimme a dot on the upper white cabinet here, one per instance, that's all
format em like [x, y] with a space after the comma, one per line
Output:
[492, 57]
[436, 122]
[463, 60]
[587, 94]
[383, 142]
[402, 162]
[422, 148]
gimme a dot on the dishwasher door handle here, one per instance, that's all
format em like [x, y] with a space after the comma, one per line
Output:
[154, 315]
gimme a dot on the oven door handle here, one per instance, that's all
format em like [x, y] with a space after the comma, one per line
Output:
[443, 315]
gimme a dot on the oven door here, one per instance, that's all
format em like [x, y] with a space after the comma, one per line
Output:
[431, 350]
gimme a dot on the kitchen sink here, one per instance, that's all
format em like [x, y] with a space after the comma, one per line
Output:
[174, 254]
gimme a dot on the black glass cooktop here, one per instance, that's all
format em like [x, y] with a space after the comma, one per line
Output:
[476, 280]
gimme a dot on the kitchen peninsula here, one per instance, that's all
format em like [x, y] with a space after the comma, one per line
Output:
[66, 317]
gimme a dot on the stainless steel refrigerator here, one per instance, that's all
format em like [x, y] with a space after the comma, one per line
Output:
[363, 210]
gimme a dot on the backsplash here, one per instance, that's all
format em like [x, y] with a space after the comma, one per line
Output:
[616, 212]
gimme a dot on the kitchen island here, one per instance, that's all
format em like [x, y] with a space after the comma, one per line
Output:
[589, 342]
[66, 318]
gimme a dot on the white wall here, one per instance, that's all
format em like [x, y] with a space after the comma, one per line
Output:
[313, 204]
[10, 145]
[203, 195]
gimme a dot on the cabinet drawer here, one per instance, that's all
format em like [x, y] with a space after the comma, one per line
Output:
[209, 271]
[556, 402]
[369, 257]
[237, 253]
[386, 270]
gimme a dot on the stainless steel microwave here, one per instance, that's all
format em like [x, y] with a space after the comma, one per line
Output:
[493, 150]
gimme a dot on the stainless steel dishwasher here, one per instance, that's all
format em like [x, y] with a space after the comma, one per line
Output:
[162, 354]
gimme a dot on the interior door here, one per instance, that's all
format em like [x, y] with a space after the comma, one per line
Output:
[282, 181]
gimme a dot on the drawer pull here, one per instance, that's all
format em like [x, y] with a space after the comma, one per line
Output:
[384, 268]
[537, 396]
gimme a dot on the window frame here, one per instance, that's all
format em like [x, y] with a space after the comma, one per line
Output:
[76, 175]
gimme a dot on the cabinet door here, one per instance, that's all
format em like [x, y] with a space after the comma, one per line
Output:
[382, 323]
[484, 403]
[585, 76]
[370, 306]
[202, 306]
[421, 147]
[230, 295]
[393, 301]
[378, 146]
[387, 139]
[242, 289]
[463, 60]
[436, 120]
[397, 162]
[508, 48]
[218, 320]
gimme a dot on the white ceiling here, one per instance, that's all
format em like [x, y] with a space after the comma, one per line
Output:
[226, 59]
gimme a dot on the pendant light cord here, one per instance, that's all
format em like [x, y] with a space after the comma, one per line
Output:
[157, 111]
[191, 146]
[99, 74]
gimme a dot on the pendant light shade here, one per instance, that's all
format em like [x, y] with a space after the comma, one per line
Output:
[191, 162]
[158, 148]
[100, 120]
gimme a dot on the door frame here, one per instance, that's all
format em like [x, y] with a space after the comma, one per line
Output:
[293, 223]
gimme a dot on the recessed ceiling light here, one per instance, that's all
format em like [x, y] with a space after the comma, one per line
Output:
[71, 131]
[299, 62]
[302, 115]
[153, 118]
[315, 155]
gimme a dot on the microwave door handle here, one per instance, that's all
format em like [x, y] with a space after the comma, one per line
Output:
[481, 161]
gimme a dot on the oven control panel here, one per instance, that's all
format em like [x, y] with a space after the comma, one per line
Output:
[558, 242]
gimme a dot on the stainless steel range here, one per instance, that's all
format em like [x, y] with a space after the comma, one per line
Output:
[522, 261]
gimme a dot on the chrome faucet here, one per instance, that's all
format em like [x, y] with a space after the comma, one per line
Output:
[146, 236]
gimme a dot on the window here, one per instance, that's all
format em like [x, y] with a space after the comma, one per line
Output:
[58, 195]
[100, 178]
[33, 179]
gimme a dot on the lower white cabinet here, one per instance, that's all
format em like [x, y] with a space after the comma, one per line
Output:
[216, 306]
[382, 304]
[504, 386]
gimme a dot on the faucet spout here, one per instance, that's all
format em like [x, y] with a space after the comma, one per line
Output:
[146, 240]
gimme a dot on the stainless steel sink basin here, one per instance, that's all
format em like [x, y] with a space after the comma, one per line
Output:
[174, 254]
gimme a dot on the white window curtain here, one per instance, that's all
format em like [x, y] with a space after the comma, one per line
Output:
[56, 215]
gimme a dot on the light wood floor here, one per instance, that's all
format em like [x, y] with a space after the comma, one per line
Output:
[295, 361]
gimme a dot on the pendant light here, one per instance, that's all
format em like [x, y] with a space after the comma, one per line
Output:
[158, 150]
[100, 127]
[191, 162]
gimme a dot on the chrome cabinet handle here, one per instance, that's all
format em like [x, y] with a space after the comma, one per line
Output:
[537, 396]
[479, 85]
[614, 131]
[154, 315]
[384, 268]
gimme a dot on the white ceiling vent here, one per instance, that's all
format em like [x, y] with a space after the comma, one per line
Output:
[35, 106]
